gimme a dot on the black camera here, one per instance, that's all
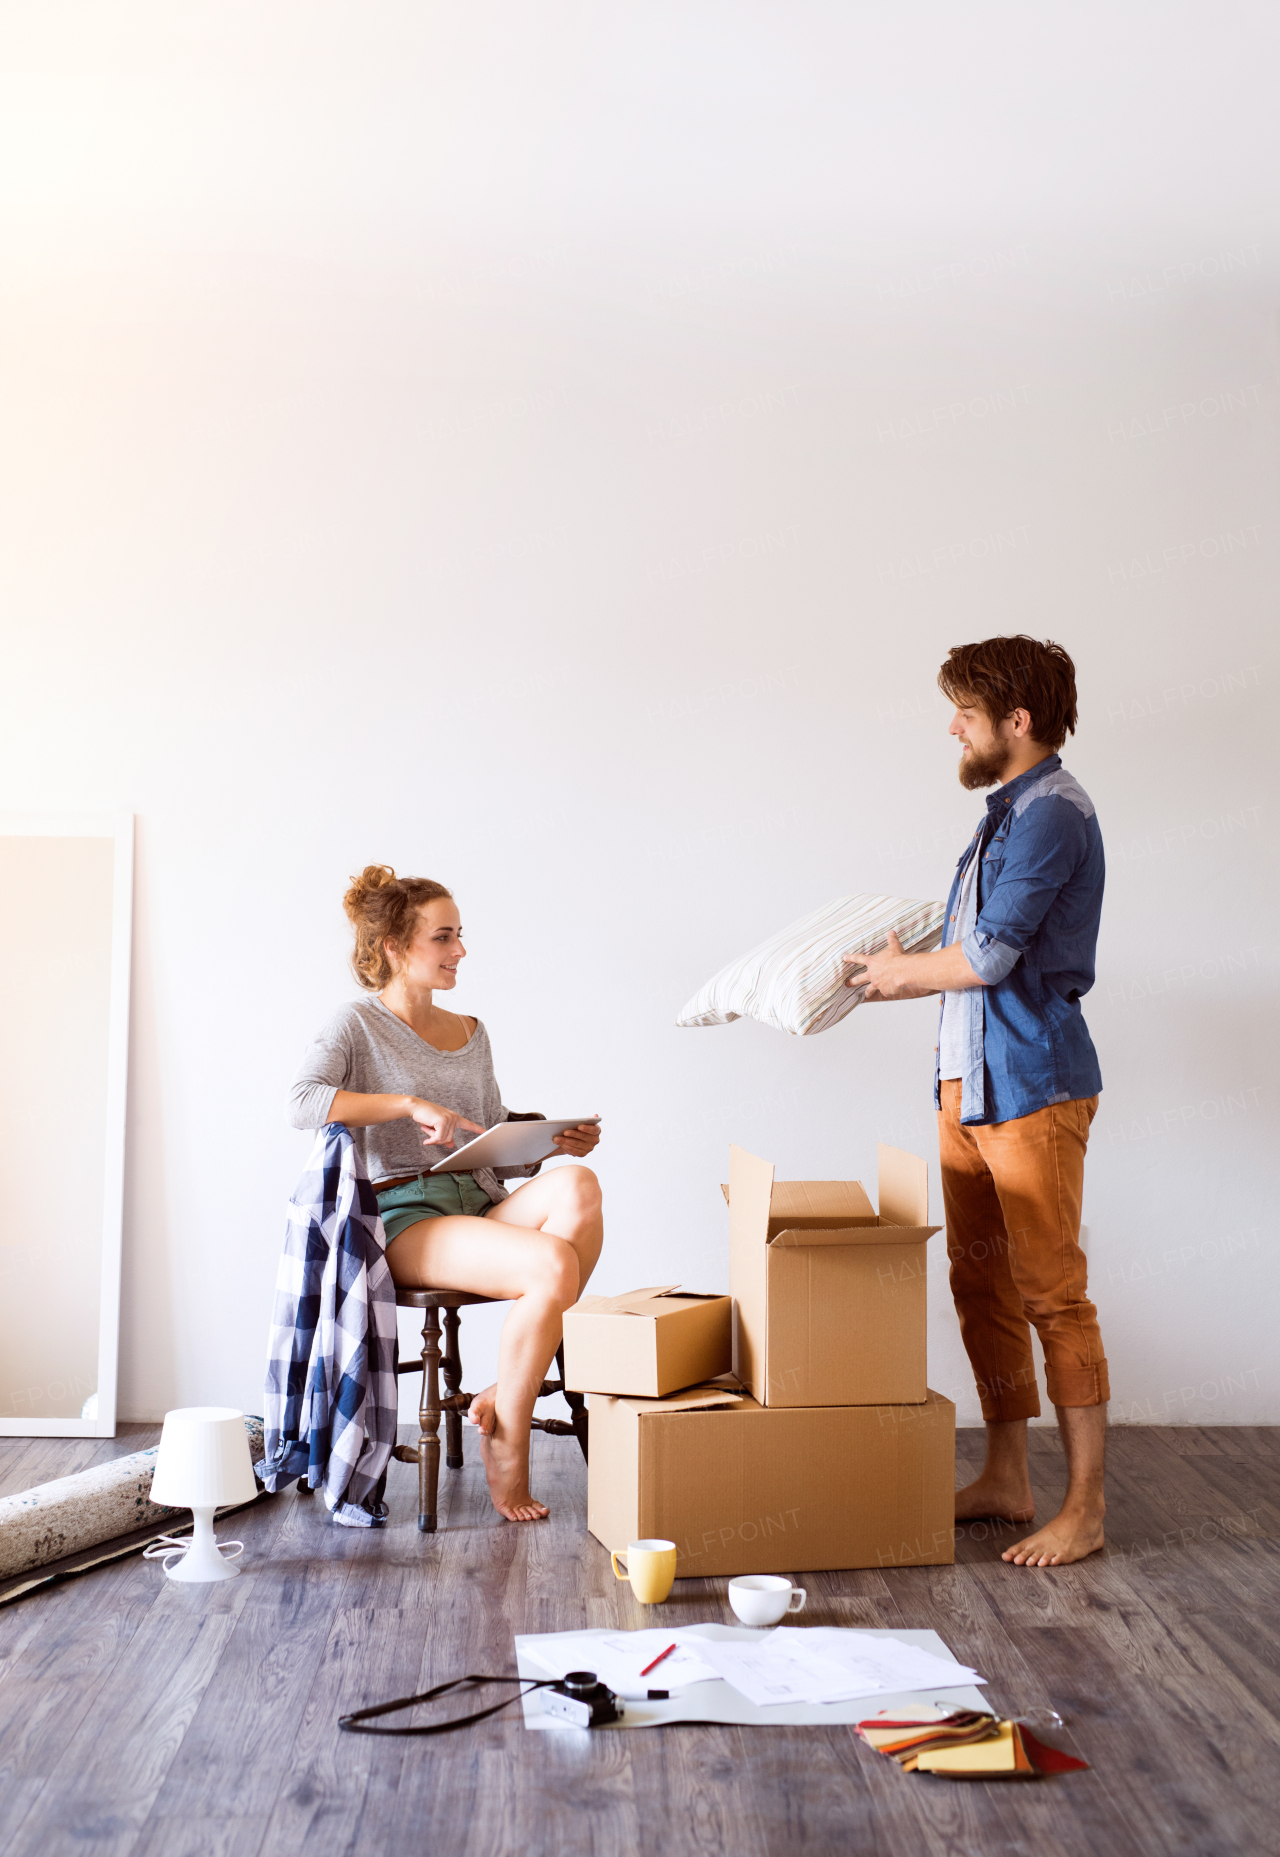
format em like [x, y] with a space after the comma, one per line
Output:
[583, 1700]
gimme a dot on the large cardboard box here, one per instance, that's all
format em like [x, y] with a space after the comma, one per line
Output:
[648, 1342]
[830, 1294]
[744, 1488]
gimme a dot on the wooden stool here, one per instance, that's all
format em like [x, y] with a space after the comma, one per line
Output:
[426, 1453]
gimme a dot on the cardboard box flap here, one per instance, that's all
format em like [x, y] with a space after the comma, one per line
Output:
[750, 1188]
[749, 1191]
[903, 1187]
[877, 1232]
[631, 1302]
[810, 1202]
[695, 1399]
[812, 1205]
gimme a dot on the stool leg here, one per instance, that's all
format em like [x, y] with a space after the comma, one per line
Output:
[451, 1366]
[429, 1424]
[577, 1406]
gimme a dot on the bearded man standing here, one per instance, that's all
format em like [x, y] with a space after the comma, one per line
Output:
[1016, 1081]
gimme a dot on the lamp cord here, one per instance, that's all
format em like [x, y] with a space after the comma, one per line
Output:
[165, 1547]
[355, 1722]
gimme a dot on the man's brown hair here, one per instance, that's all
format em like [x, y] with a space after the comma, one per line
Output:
[999, 675]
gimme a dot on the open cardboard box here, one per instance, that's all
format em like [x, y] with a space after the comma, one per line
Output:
[648, 1342]
[830, 1294]
[741, 1488]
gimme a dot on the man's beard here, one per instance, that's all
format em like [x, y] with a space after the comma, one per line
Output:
[983, 770]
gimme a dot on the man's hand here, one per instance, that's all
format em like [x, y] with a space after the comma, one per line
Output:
[579, 1141]
[886, 975]
[895, 974]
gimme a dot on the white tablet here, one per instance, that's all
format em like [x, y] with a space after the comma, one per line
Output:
[509, 1144]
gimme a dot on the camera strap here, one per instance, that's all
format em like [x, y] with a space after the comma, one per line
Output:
[357, 1722]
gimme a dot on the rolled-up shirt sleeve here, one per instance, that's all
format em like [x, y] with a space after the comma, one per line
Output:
[990, 959]
[1043, 850]
[324, 1070]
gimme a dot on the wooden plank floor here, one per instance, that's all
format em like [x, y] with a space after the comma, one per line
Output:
[144, 1719]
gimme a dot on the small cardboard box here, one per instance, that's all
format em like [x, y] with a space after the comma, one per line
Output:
[648, 1342]
[744, 1488]
[830, 1294]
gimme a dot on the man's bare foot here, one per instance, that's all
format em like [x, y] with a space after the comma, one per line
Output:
[1071, 1535]
[482, 1412]
[988, 1499]
[507, 1471]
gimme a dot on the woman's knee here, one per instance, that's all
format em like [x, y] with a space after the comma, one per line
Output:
[555, 1269]
[578, 1191]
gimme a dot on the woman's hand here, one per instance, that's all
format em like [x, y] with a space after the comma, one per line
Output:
[579, 1141]
[438, 1125]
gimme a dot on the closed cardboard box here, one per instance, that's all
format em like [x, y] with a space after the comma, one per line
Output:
[830, 1294]
[744, 1488]
[648, 1342]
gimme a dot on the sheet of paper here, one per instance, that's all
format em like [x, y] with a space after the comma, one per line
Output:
[827, 1664]
[619, 1657]
[874, 1663]
[773, 1671]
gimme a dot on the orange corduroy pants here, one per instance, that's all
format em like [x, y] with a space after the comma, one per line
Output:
[1011, 1193]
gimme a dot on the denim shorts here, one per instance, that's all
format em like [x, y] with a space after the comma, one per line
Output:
[431, 1196]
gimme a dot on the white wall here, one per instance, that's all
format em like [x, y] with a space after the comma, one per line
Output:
[551, 450]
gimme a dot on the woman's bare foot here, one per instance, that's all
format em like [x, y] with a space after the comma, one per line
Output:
[507, 1471]
[482, 1412]
[1071, 1535]
[990, 1499]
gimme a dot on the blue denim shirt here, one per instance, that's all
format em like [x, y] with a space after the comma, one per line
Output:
[1031, 942]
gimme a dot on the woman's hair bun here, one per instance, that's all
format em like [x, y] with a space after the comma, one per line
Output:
[372, 877]
[383, 907]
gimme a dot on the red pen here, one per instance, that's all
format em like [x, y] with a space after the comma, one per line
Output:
[658, 1659]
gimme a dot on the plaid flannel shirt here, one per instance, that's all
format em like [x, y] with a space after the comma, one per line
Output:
[331, 1398]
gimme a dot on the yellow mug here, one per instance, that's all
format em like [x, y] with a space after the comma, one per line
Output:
[651, 1568]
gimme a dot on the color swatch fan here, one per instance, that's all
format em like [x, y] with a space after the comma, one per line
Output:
[965, 1745]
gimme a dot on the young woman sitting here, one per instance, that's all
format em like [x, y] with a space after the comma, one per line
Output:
[404, 1076]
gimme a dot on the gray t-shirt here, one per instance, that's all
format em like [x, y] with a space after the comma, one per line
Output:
[366, 1048]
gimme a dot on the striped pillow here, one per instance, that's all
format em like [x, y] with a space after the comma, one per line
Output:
[796, 981]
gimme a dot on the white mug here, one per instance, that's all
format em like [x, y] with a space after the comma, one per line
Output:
[764, 1598]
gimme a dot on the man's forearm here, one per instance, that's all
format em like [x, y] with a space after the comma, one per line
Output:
[945, 970]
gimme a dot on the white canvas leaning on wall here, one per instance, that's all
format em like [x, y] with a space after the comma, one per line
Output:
[66, 885]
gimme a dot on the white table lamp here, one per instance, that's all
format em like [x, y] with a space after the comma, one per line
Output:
[203, 1465]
